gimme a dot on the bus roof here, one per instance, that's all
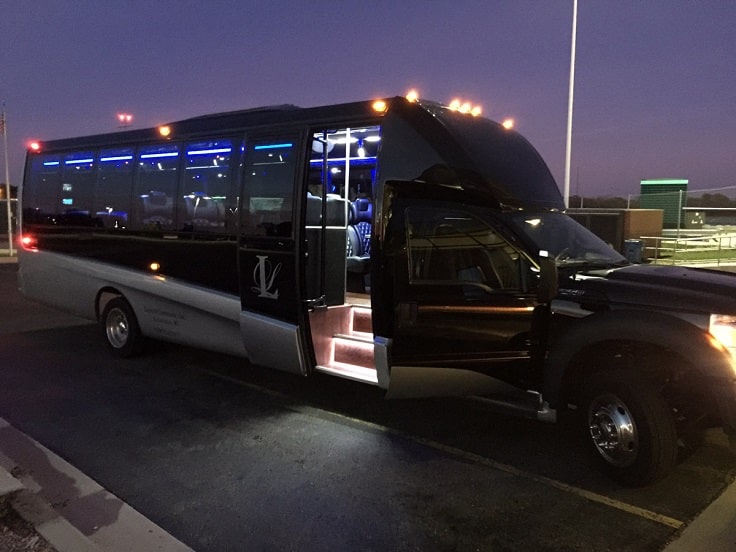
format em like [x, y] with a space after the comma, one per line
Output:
[226, 122]
[505, 165]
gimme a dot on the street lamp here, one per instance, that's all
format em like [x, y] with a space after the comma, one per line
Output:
[568, 144]
[124, 119]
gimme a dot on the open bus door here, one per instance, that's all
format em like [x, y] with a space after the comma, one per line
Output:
[456, 297]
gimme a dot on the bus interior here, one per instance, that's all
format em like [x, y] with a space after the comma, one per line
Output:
[342, 171]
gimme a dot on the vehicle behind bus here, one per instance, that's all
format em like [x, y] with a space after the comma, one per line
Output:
[402, 243]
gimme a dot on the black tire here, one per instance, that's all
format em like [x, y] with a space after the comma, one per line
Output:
[121, 329]
[629, 426]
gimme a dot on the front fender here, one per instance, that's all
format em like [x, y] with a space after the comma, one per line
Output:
[714, 364]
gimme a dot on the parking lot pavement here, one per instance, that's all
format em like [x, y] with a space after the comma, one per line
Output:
[78, 514]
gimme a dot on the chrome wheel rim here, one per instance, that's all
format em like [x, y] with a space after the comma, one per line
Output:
[613, 430]
[116, 327]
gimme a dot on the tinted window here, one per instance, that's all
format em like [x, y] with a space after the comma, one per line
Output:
[206, 187]
[509, 166]
[77, 188]
[155, 189]
[457, 248]
[42, 189]
[114, 187]
[269, 187]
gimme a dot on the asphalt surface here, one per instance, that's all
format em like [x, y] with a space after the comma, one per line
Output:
[225, 456]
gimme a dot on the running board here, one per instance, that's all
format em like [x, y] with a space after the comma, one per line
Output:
[528, 405]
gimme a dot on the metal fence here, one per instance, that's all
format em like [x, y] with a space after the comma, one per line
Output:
[712, 250]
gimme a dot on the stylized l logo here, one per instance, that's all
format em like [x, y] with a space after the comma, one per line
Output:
[264, 276]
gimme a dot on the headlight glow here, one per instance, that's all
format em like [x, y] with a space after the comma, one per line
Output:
[723, 328]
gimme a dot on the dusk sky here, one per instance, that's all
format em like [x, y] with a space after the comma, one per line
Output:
[655, 82]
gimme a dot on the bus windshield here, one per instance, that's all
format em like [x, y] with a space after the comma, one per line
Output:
[565, 240]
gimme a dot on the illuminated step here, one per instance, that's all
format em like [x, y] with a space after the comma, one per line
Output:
[353, 349]
[362, 321]
[350, 371]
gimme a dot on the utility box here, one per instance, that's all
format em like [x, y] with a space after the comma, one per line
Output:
[634, 250]
[616, 226]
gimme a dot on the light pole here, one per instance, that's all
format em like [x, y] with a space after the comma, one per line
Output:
[4, 130]
[568, 143]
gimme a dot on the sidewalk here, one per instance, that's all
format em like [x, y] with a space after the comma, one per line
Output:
[68, 509]
[5, 257]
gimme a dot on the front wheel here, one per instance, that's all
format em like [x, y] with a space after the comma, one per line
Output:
[121, 328]
[630, 427]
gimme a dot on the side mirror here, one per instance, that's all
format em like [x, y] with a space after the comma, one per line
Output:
[547, 284]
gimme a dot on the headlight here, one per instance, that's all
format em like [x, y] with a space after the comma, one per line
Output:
[723, 328]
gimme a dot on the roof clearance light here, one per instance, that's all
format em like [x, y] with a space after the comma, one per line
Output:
[412, 96]
[465, 107]
[154, 266]
[508, 124]
[164, 130]
[34, 146]
[380, 106]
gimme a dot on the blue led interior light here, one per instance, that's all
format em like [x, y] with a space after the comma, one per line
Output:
[159, 155]
[78, 161]
[273, 146]
[209, 151]
[116, 158]
[51, 163]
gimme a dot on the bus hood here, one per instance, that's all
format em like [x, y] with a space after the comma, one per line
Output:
[670, 288]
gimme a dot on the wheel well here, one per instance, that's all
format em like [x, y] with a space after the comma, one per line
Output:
[660, 366]
[103, 297]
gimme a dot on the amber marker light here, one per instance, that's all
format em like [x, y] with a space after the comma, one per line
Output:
[164, 130]
[154, 266]
[379, 106]
[508, 124]
[412, 95]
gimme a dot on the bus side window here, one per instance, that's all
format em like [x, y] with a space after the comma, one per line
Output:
[458, 249]
[42, 190]
[269, 188]
[77, 189]
[155, 187]
[114, 187]
[206, 185]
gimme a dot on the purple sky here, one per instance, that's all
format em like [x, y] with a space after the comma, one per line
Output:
[655, 93]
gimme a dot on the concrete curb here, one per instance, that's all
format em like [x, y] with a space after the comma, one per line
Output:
[61, 534]
[713, 530]
[70, 510]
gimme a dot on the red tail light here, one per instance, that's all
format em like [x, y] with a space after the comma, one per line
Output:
[28, 242]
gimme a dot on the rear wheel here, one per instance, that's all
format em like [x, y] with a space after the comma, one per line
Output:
[121, 328]
[630, 427]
